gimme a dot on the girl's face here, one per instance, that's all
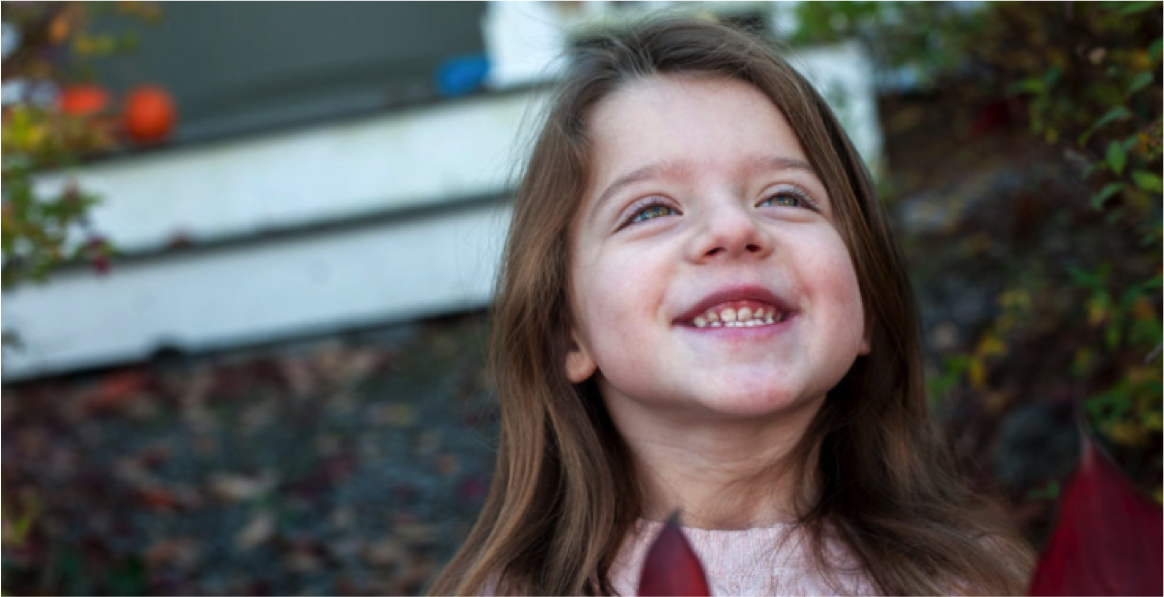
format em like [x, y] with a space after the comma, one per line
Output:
[708, 275]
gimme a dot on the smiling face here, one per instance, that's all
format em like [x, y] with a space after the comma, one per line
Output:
[707, 274]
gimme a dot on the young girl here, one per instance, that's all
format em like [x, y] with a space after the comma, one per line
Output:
[702, 309]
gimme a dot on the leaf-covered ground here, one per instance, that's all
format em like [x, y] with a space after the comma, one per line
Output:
[345, 466]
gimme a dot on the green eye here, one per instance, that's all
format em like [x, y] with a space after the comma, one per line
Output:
[651, 212]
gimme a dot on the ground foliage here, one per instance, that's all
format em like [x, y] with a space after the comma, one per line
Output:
[339, 466]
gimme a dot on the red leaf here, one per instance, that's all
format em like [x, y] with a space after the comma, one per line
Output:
[156, 498]
[116, 390]
[1108, 538]
[671, 567]
[82, 100]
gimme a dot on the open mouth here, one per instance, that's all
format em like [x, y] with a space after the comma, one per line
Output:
[738, 314]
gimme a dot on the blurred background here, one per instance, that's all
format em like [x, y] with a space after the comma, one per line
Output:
[248, 251]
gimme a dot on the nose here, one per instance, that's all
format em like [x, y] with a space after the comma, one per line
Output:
[728, 231]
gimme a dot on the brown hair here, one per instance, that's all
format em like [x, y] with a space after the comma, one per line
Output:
[565, 494]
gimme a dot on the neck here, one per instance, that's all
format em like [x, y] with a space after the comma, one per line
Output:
[719, 473]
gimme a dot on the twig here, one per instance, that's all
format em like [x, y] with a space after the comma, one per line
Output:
[1156, 352]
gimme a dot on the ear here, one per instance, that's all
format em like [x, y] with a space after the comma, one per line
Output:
[579, 364]
[866, 339]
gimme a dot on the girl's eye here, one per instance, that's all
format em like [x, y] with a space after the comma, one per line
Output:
[785, 199]
[650, 212]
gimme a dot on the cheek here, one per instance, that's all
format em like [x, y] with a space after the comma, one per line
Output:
[616, 302]
[826, 260]
[836, 282]
[855, 321]
[593, 306]
[619, 287]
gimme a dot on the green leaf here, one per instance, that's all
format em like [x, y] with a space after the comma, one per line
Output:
[1140, 81]
[129, 41]
[1048, 492]
[1032, 85]
[1130, 296]
[1114, 114]
[1052, 75]
[1111, 337]
[1146, 332]
[1132, 8]
[1111, 188]
[1080, 276]
[1155, 49]
[1090, 279]
[1117, 157]
[1147, 181]
[1091, 168]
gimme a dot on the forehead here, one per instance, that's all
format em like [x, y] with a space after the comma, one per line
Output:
[707, 120]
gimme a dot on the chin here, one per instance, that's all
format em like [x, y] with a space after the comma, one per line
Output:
[760, 402]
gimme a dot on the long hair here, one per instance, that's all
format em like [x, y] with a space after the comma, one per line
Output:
[565, 493]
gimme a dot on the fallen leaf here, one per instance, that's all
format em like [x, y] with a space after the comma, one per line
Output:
[180, 552]
[258, 530]
[300, 376]
[671, 566]
[302, 561]
[115, 390]
[235, 488]
[1108, 538]
[473, 489]
[415, 533]
[383, 553]
[158, 498]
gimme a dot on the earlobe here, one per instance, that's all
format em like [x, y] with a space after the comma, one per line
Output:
[579, 365]
[866, 340]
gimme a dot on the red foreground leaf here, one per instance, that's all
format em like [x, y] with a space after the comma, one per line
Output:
[1108, 538]
[671, 566]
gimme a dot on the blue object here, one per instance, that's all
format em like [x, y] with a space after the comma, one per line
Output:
[462, 75]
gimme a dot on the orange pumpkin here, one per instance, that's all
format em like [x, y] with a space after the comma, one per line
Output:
[82, 100]
[149, 115]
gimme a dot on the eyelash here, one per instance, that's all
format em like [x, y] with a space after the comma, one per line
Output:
[801, 197]
[641, 207]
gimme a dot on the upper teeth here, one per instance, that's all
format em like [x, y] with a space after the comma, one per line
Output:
[737, 317]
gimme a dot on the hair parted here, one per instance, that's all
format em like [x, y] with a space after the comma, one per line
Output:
[565, 494]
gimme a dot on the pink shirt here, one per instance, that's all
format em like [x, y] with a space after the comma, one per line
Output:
[762, 561]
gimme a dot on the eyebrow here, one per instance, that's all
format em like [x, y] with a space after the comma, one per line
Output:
[638, 175]
[779, 163]
[653, 170]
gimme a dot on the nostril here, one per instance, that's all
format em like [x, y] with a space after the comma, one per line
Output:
[753, 248]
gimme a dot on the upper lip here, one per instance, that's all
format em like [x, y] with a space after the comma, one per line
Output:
[733, 293]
